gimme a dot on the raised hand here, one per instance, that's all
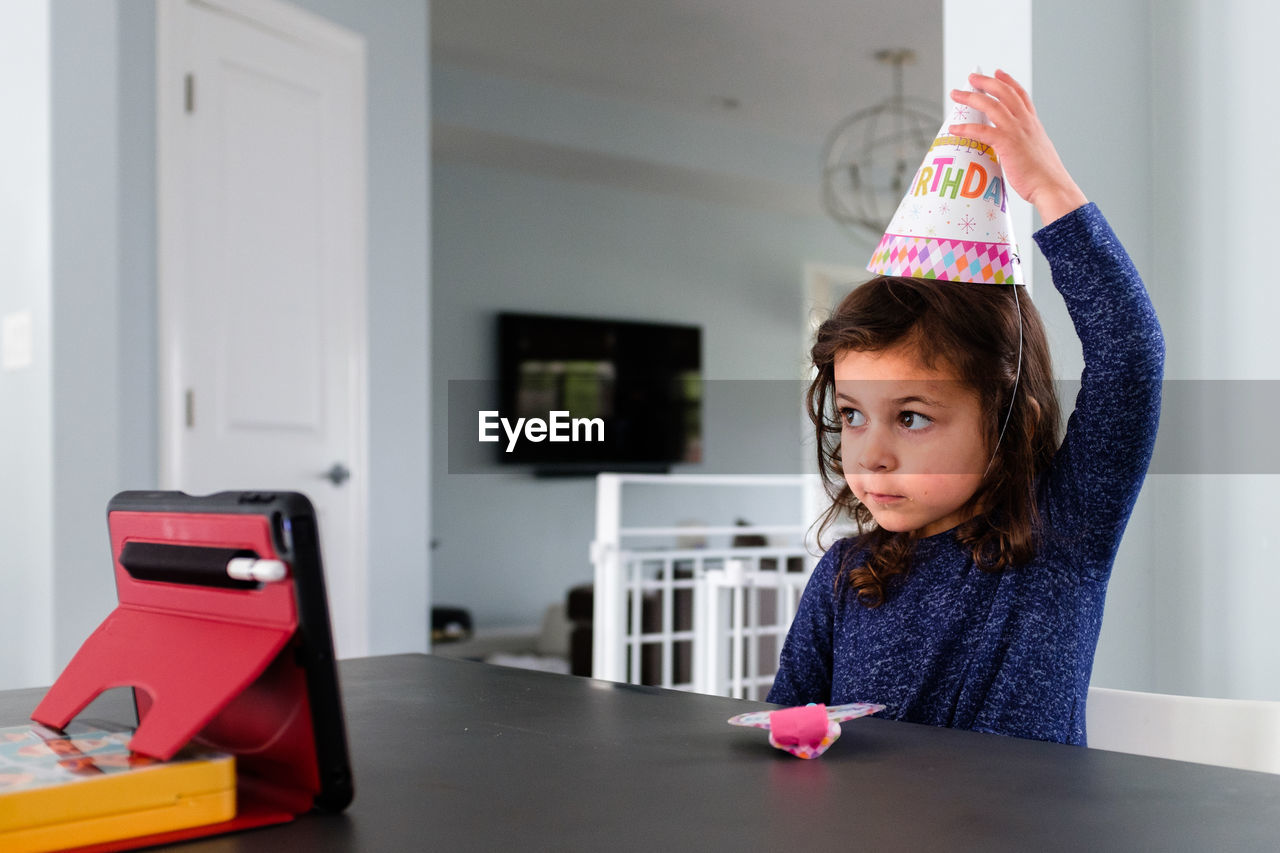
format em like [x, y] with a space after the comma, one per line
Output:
[1031, 164]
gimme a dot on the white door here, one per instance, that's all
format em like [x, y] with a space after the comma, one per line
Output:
[261, 119]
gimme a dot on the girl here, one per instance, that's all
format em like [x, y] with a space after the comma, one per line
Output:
[972, 596]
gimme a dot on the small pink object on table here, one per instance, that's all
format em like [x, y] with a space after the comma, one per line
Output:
[805, 725]
[806, 731]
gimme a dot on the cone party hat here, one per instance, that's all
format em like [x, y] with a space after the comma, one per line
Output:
[954, 221]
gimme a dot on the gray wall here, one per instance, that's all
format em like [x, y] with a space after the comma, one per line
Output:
[1214, 581]
[557, 202]
[1079, 50]
[1161, 109]
[92, 319]
[91, 395]
[399, 146]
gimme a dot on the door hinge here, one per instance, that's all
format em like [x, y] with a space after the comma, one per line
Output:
[190, 406]
[189, 92]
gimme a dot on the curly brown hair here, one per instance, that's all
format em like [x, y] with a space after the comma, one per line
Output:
[975, 331]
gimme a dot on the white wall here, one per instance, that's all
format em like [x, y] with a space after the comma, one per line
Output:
[26, 441]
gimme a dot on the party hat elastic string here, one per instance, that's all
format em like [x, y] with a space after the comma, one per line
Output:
[1017, 376]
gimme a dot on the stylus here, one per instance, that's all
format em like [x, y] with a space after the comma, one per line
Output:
[253, 569]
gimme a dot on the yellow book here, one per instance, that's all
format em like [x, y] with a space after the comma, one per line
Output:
[62, 790]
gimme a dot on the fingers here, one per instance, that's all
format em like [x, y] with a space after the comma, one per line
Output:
[1004, 102]
[984, 133]
[1001, 97]
[993, 108]
[1004, 87]
[1031, 166]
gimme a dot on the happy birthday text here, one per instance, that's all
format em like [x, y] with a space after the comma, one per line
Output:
[942, 178]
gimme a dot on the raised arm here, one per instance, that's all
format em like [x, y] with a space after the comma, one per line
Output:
[1100, 467]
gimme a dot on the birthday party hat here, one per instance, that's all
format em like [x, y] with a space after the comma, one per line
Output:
[954, 221]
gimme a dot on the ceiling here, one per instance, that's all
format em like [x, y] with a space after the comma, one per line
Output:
[792, 68]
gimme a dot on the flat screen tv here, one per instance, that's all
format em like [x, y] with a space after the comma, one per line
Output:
[597, 394]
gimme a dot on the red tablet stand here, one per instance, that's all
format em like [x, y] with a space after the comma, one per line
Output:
[210, 664]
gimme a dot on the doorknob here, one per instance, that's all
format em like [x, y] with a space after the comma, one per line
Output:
[337, 474]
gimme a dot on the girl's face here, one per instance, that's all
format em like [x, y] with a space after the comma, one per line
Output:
[912, 440]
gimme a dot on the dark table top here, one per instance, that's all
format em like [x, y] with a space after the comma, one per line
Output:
[454, 755]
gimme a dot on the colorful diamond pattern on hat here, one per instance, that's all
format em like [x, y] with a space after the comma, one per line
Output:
[954, 223]
[949, 260]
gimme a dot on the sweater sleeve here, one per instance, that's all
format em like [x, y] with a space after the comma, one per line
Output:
[1091, 487]
[804, 666]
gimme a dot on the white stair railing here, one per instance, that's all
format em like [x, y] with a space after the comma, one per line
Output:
[708, 619]
[746, 614]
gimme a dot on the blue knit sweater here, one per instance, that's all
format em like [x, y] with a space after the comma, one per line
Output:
[1008, 652]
